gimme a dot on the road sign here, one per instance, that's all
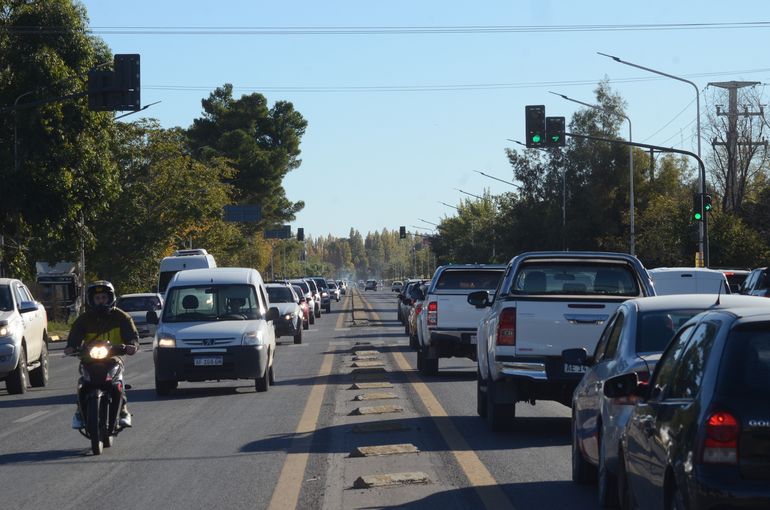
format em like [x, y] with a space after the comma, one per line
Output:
[243, 213]
[283, 232]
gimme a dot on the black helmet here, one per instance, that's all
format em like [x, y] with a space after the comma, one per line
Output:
[98, 287]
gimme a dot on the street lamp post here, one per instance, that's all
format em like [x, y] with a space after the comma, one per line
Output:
[703, 244]
[15, 131]
[632, 236]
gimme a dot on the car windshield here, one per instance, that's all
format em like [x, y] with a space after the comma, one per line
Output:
[332, 285]
[469, 280]
[745, 369]
[575, 278]
[138, 303]
[656, 329]
[280, 295]
[211, 303]
[6, 303]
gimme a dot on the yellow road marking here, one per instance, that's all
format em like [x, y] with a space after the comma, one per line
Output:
[343, 311]
[370, 309]
[478, 475]
[286, 492]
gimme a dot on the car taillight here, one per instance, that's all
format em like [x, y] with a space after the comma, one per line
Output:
[433, 313]
[506, 327]
[721, 443]
[418, 309]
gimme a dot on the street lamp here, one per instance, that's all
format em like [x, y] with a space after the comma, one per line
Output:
[498, 179]
[428, 222]
[704, 238]
[632, 240]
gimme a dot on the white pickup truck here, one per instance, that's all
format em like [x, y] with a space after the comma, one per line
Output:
[546, 303]
[447, 324]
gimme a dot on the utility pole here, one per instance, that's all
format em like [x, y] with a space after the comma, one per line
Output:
[730, 200]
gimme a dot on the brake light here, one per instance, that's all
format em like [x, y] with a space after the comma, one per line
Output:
[721, 443]
[433, 313]
[506, 327]
[418, 309]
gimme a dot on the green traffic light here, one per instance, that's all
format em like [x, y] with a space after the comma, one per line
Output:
[698, 216]
[536, 138]
[707, 207]
[555, 138]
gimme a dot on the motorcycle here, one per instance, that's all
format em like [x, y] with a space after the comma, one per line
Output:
[100, 393]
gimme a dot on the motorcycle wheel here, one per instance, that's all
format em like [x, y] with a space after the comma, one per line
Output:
[109, 441]
[92, 424]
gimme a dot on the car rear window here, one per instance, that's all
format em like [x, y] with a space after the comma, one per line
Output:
[138, 303]
[656, 329]
[280, 294]
[303, 286]
[746, 366]
[575, 278]
[469, 279]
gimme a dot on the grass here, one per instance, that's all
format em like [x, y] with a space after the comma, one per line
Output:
[59, 328]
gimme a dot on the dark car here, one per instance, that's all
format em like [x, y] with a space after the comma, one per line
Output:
[757, 283]
[370, 285]
[699, 435]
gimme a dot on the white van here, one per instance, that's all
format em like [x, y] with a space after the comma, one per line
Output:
[688, 280]
[216, 324]
[182, 260]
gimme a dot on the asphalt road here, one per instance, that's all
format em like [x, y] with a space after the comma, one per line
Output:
[220, 444]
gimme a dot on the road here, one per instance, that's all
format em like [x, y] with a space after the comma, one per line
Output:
[220, 444]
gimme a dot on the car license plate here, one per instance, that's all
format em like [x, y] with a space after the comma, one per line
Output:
[575, 369]
[211, 361]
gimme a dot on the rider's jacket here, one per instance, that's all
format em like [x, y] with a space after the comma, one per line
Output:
[114, 326]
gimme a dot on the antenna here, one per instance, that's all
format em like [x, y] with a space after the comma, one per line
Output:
[720, 294]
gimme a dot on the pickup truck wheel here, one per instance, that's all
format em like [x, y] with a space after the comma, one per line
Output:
[298, 337]
[582, 471]
[163, 388]
[38, 378]
[306, 324]
[481, 396]
[413, 342]
[499, 416]
[426, 366]
[18, 380]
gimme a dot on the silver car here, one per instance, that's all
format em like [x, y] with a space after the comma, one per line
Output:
[137, 306]
[632, 341]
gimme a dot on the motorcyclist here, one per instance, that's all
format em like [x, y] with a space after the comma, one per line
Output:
[103, 321]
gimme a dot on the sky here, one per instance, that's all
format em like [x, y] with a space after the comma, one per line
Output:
[398, 121]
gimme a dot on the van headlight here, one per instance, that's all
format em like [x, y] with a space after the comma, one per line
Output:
[166, 340]
[5, 331]
[252, 338]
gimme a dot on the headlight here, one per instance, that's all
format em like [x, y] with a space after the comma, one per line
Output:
[166, 340]
[252, 338]
[288, 316]
[99, 352]
[325, 294]
[5, 331]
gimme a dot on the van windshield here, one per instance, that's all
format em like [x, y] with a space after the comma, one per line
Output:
[212, 303]
[165, 278]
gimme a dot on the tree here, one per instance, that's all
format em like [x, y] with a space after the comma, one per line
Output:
[63, 173]
[261, 142]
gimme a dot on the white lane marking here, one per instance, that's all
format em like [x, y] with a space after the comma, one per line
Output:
[339, 342]
[31, 417]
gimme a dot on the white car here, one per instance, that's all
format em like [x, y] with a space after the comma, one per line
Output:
[216, 324]
[137, 306]
[283, 297]
[688, 280]
[23, 338]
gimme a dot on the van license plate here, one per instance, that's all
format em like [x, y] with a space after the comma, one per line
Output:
[575, 369]
[212, 361]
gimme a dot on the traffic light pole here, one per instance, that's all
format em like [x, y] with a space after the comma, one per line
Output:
[703, 243]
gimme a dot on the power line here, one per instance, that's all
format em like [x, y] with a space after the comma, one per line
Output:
[439, 87]
[381, 30]
[670, 121]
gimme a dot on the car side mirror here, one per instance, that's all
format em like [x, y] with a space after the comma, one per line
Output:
[28, 306]
[273, 314]
[575, 356]
[151, 317]
[621, 385]
[479, 299]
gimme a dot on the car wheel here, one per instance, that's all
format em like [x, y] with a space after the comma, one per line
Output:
[427, 366]
[318, 312]
[271, 376]
[312, 318]
[262, 383]
[328, 308]
[39, 377]
[298, 337]
[499, 416]
[582, 471]
[306, 324]
[607, 481]
[163, 388]
[625, 497]
[413, 342]
[481, 396]
[18, 380]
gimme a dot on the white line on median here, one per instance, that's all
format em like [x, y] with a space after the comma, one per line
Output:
[31, 417]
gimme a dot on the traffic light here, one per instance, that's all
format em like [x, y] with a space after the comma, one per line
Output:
[300, 234]
[707, 203]
[117, 90]
[535, 125]
[402, 232]
[554, 132]
[697, 207]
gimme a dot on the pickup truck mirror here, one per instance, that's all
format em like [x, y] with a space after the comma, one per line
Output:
[151, 317]
[575, 356]
[28, 306]
[621, 385]
[479, 299]
[273, 314]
